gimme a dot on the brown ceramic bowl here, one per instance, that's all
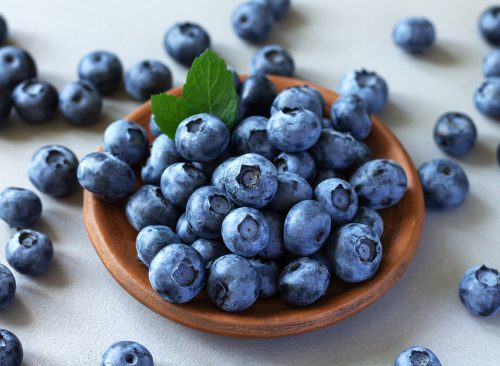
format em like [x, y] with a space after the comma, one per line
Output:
[114, 241]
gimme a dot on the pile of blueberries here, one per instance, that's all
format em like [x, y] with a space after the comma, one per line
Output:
[278, 205]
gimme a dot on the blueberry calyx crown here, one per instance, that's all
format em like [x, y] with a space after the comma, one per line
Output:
[419, 358]
[249, 176]
[487, 276]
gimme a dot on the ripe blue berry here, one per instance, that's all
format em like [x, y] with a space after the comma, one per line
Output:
[184, 231]
[126, 353]
[489, 25]
[151, 240]
[102, 69]
[338, 198]
[369, 86]
[257, 94]
[350, 114]
[272, 59]
[250, 136]
[275, 249]
[146, 78]
[7, 286]
[479, 290]
[163, 153]
[252, 21]
[414, 34]
[29, 252]
[279, 7]
[128, 141]
[487, 97]
[455, 133]
[19, 207]
[335, 150]
[491, 64]
[153, 127]
[300, 163]
[370, 218]
[16, 65]
[186, 41]
[11, 350]
[179, 181]
[35, 101]
[269, 273]
[219, 173]
[210, 250]
[292, 189]
[80, 103]
[298, 97]
[417, 356]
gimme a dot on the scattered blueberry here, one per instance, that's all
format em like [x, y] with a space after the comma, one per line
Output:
[35, 101]
[153, 127]
[103, 69]
[334, 150]
[128, 141]
[151, 240]
[16, 65]
[7, 287]
[444, 183]
[491, 64]
[338, 198]
[369, 86]
[292, 189]
[4, 30]
[146, 78]
[184, 231]
[163, 153]
[489, 25]
[126, 353]
[5, 104]
[179, 181]
[487, 97]
[300, 163]
[417, 356]
[250, 136]
[257, 94]
[279, 7]
[269, 273]
[414, 34]
[11, 350]
[210, 250]
[80, 103]
[252, 21]
[186, 41]
[19, 207]
[349, 114]
[479, 290]
[219, 173]
[370, 218]
[455, 133]
[275, 249]
[272, 59]
[298, 97]
[29, 252]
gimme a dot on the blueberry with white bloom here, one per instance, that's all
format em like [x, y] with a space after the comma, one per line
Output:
[417, 356]
[11, 350]
[275, 249]
[146, 78]
[298, 97]
[250, 136]
[292, 188]
[370, 218]
[80, 103]
[151, 240]
[7, 286]
[455, 133]
[491, 64]
[279, 7]
[29, 252]
[363, 154]
[16, 65]
[414, 34]
[185, 41]
[369, 86]
[125, 353]
[272, 59]
[219, 172]
[102, 69]
[19, 207]
[335, 150]
[184, 231]
[210, 250]
[479, 290]
[257, 94]
[489, 25]
[128, 141]
[179, 181]
[35, 101]
[487, 97]
[300, 163]
[350, 114]
[163, 153]
[153, 127]
[269, 273]
[252, 21]
[338, 198]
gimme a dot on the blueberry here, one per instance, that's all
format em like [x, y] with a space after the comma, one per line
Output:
[245, 231]
[206, 209]
[16, 65]
[322, 257]
[293, 130]
[209, 167]
[128, 141]
[363, 154]
[11, 350]
[444, 183]
[252, 21]
[292, 189]
[334, 150]
[250, 136]
[487, 97]
[219, 173]
[163, 154]
[80, 103]
[272, 59]
[147, 206]
[380, 183]
[151, 240]
[489, 25]
[179, 181]
[233, 283]
[355, 251]
[314, 93]
[279, 7]
[324, 174]
[275, 249]
[153, 127]
[35, 101]
[29, 252]
[184, 231]
[455, 133]
[369, 86]
[414, 34]
[298, 97]
[202, 137]
[491, 64]
[146, 78]
[307, 227]
[479, 290]
[251, 180]
[7, 286]
[338, 198]
[417, 356]
[257, 94]
[106, 176]
[303, 281]
[350, 114]
[210, 250]
[125, 353]
[370, 218]
[103, 69]
[5, 104]
[19, 207]
[269, 273]
[186, 41]
[4, 30]
[300, 163]
[52, 170]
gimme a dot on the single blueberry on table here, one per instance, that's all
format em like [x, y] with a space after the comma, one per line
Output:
[163, 153]
[146, 78]
[206, 209]
[19, 207]
[279, 7]
[52, 170]
[491, 64]
[219, 173]
[414, 34]
[11, 350]
[479, 290]
[105, 176]
[489, 25]
[324, 174]
[417, 356]
[126, 353]
[335, 150]
[487, 97]
[257, 94]
[80, 103]
[338, 198]
[16, 65]
[445, 184]
[275, 249]
[35, 101]
[186, 41]
[233, 283]
[292, 189]
[102, 69]
[251, 180]
[298, 97]
[293, 130]
[29, 252]
[379, 183]
[269, 273]
[5, 104]
[300, 163]
[303, 281]
[202, 137]
[272, 59]
[250, 136]
[350, 114]
[245, 231]
[179, 181]
[455, 133]
[4, 30]
[369, 86]
[355, 251]
[153, 127]
[128, 141]
[7, 286]
[210, 250]
[147, 206]
[151, 240]
[252, 21]
[177, 273]
[184, 231]
[370, 218]
[307, 227]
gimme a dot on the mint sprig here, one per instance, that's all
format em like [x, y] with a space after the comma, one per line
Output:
[209, 88]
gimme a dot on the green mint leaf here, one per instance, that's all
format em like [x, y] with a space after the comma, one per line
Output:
[169, 111]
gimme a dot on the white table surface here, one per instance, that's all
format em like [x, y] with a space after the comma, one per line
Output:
[70, 315]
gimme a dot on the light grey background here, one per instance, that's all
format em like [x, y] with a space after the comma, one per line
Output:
[73, 313]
